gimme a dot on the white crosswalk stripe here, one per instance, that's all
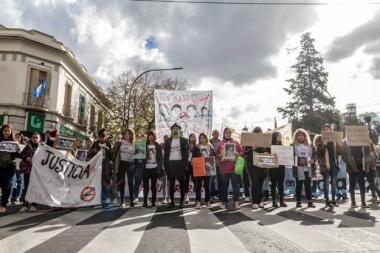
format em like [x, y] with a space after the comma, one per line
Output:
[191, 230]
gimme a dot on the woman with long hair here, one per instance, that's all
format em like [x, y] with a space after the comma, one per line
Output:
[192, 145]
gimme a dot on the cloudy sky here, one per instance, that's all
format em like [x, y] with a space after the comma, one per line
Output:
[243, 52]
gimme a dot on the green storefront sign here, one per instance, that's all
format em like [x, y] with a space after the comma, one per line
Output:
[71, 133]
[35, 122]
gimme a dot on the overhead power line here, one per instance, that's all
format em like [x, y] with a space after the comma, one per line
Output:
[252, 3]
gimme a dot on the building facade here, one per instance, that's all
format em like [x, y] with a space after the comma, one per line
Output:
[43, 87]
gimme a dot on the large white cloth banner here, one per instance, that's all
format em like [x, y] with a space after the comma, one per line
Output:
[60, 180]
[192, 110]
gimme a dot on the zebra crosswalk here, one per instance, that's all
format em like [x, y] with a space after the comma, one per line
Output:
[160, 229]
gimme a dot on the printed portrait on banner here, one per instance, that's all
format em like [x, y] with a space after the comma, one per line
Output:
[192, 110]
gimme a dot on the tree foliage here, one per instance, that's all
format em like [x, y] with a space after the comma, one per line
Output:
[373, 126]
[141, 95]
[311, 105]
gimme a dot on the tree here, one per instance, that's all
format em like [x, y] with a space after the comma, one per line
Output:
[312, 105]
[373, 125]
[142, 116]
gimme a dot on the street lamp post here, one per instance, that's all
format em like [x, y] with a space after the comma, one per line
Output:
[126, 121]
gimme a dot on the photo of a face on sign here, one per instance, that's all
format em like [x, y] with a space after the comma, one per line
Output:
[65, 143]
[229, 150]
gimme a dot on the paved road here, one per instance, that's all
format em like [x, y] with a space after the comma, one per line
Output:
[343, 229]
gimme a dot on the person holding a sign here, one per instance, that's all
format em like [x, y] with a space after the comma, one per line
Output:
[256, 174]
[203, 149]
[189, 173]
[26, 167]
[302, 170]
[215, 180]
[327, 155]
[355, 158]
[104, 146]
[8, 154]
[277, 175]
[227, 167]
[152, 167]
[175, 160]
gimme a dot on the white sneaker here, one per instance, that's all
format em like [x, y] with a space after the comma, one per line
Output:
[136, 200]
[260, 205]
[198, 205]
[255, 206]
[32, 209]
[23, 209]
[247, 200]
[2, 209]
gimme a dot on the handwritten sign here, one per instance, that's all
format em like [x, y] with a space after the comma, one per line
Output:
[9, 146]
[259, 139]
[357, 135]
[265, 160]
[61, 180]
[328, 136]
[285, 154]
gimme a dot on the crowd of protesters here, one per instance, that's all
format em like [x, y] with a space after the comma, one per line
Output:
[172, 161]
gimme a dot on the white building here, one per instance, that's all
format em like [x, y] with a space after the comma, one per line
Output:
[72, 102]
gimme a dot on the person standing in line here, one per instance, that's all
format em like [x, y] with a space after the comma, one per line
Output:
[256, 174]
[355, 158]
[372, 172]
[7, 166]
[124, 151]
[203, 149]
[152, 167]
[18, 178]
[176, 158]
[302, 170]
[227, 167]
[164, 178]
[26, 166]
[189, 173]
[104, 146]
[277, 176]
[215, 185]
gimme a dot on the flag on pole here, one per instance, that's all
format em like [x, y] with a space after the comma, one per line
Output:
[40, 89]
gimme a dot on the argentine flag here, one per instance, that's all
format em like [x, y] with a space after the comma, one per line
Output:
[40, 89]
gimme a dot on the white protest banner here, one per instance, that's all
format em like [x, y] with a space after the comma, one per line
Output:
[286, 133]
[357, 135]
[285, 154]
[8, 146]
[192, 110]
[60, 180]
[328, 136]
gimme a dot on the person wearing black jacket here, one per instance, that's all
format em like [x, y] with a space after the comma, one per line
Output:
[152, 167]
[175, 161]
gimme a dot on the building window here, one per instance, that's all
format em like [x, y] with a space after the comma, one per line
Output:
[36, 78]
[82, 110]
[92, 116]
[100, 120]
[67, 103]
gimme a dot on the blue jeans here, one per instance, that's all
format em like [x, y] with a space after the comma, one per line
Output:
[16, 190]
[330, 176]
[225, 180]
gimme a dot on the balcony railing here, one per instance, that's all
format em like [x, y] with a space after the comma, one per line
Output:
[41, 102]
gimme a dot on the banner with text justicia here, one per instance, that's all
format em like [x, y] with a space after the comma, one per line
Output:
[192, 110]
[58, 179]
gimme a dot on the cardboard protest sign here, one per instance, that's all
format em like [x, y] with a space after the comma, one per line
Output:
[328, 136]
[285, 154]
[357, 135]
[259, 139]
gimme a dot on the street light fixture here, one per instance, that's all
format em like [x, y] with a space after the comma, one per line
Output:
[126, 121]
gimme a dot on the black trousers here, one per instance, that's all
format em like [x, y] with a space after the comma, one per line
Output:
[307, 184]
[277, 177]
[150, 174]
[189, 173]
[124, 169]
[206, 184]
[176, 170]
[257, 176]
[6, 175]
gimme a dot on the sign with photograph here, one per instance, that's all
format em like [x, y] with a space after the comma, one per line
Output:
[357, 135]
[229, 150]
[259, 139]
[9, 146]
[328, 136]
[140, 149]
[81, 155]
[285, 154]
[65, 143]
[265, 160]
[204, 166]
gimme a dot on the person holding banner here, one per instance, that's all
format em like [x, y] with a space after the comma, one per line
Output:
[256, 174]
[104, 146]
[176, 158]
[203, 149]
[16, 191]
[227, 167]
[152, 167]
[277, 175]
[26, 167]
[189, 173]
[8, 155]
[355, 158]
[303, 160]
